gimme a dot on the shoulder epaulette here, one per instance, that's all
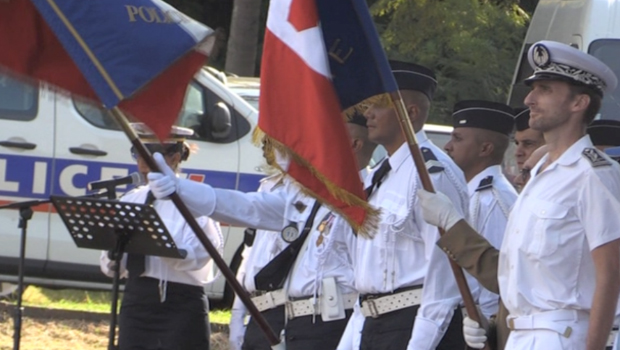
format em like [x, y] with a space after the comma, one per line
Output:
[595, 158]
[432, 164]
[485, 183]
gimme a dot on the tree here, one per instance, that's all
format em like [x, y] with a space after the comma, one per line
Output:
[472, 45]
[243, 42]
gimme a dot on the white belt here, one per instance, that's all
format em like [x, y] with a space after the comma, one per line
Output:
[382, 305]
[551, 320]
[269, 300]
[612, 337]
[305, 307]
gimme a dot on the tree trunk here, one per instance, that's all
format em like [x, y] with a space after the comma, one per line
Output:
[243, 40]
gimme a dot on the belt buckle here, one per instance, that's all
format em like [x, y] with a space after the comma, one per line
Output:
[567, 332]
[374, 312]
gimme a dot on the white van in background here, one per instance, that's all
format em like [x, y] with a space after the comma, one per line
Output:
[592, 26]
[51, 144]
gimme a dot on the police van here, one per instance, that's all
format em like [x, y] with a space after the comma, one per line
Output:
[51, 144]
[592, 26]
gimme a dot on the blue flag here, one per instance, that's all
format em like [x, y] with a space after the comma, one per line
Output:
[121, 45]
[359, 67]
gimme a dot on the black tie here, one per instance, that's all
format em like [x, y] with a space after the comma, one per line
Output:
[136, 263]
[378, 176]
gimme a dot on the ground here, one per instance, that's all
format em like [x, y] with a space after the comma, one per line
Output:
[50, 334]
[74, 319]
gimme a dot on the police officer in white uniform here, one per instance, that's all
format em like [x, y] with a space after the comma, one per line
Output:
[526, 139]
[264, 246]
[479, 140]
[605, 133]
[392, 266]
[319, 289]
[164, 305]
[559, 265]
[351, 338]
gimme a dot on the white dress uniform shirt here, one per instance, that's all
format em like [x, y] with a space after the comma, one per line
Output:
[196, 268]
[266, 245]
[352, 337]
[491, 197]
[561, 215]
[403, 248]
[326, 254]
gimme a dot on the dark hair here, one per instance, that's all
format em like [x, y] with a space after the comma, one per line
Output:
[595, 101]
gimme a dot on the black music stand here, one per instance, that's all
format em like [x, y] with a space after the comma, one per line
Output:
[119, 227]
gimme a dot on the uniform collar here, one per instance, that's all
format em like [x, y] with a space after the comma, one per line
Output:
[570, 156]
[493, 170]
[421, 137]
[402, 153]
[363, 173]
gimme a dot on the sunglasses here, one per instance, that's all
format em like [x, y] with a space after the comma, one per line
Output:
[165, 149]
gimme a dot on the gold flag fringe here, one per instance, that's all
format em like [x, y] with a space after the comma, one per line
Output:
[381, 100]
[371, 221]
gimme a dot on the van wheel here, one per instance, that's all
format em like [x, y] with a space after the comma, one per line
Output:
[229, 294]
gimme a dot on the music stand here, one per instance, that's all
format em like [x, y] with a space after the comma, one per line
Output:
[119, 227]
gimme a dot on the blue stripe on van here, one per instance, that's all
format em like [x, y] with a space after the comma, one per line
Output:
[65, 177]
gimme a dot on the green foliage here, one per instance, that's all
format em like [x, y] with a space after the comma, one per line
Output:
[192, 8]
[472, 45]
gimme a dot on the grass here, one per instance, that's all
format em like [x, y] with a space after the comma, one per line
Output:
[39, 334]
[67, 299]
[90, 301]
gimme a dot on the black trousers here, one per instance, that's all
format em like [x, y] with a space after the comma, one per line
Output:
[311, 333]
[254, 338]
[392, 331]
[180, 322]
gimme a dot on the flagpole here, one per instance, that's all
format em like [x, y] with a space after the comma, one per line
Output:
[215, 255]
[409, 133]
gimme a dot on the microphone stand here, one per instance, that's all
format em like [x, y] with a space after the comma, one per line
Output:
[25, 214]
[117, 256]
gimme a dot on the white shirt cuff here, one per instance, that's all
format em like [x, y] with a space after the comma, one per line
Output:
[425, 335]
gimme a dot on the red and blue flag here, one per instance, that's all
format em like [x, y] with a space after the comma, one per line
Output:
[138, 55]
[322, 59]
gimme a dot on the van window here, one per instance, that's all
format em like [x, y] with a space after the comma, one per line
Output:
[519, 89]
[95, 115]
[212, 119]
[18, 101]
[608, 51]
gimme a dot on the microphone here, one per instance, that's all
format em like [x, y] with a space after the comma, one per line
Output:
[133, 179]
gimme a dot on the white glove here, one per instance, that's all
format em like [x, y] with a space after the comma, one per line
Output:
[165, 183]
[198, 197]
[475, 336]
[438, 210]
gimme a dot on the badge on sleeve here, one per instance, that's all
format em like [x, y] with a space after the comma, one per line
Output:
[290, 233]
[324, 227]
